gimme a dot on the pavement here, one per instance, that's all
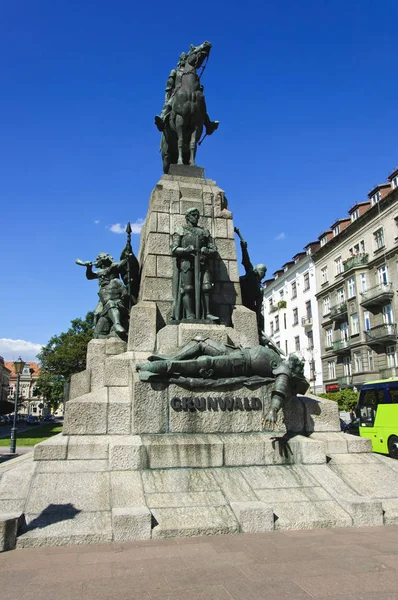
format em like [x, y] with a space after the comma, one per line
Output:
[346, 563]
[21, 450]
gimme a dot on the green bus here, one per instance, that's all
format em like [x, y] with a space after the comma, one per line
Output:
[378, 415]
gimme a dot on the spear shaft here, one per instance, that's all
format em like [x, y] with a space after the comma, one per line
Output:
[129, 252]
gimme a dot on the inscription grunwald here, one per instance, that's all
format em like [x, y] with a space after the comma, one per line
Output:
[222, 403]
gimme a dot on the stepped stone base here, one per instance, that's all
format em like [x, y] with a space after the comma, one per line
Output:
[128, 466]
[83, 500]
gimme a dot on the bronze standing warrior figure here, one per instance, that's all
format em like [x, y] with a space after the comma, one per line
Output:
[184, 112]
[251, 283]
[111, 315]
[192, 246]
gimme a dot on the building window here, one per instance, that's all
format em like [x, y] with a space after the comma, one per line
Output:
[379, 238]
[272, 327]
[286, 348]
[391, 353]
[395, 182]
[270, 303]
[358, 362]
[338, 264]
[297, 343]
[278, 344]
[306, 281]
[351, 287]
[358, 248]
[324, 275]
[308, 309]
[387, 314]
[354, 324]
[366, 317]
[310, 337]
[336, 230]
[354, 215]
[382, 273]
[326, 305]
[371, 362]
[323, 241]
[375, 198]
[329, 338]
[284, 320]
[364, 285]
[347, 366]
[340, 296]
[295, 316]
[294, 290]
[276, 324]
[331, 369]
[344, 332]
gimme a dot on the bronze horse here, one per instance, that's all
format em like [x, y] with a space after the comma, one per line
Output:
[187, 112]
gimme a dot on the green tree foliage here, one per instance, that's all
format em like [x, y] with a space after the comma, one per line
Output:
[346, 399]
[63, 355]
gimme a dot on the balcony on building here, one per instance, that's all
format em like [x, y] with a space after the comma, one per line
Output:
[377, 295]
[306, 322]
[338, 311]
[381, 334]
[344, 381]
[341, 346]
[358, 260]
[389, 372]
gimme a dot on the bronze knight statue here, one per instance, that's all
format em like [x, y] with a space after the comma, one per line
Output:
[184, 113]
[192, 246]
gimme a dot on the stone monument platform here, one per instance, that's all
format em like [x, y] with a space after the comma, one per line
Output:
[138, 459]
[127, 466]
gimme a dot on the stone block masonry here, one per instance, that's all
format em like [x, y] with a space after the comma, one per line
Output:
[171, 198]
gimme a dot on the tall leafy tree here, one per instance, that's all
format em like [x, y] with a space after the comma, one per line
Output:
[63, 355]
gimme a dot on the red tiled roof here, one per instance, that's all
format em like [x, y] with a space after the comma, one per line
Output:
[33, 366]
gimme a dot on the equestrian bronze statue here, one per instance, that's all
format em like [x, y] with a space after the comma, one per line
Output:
[184, 113]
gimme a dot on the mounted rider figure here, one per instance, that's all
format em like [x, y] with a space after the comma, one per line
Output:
[184, 112]
[172, 84]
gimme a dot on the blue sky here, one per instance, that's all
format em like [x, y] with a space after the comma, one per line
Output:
[305, 92]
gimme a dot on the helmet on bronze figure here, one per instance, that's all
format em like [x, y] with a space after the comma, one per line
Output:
[182, 59]
[261, 270]
[103, 258]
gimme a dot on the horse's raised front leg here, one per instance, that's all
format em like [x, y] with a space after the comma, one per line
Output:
[192, 147]
[179, 124]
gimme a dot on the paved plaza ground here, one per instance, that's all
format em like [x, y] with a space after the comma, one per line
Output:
[349, 564]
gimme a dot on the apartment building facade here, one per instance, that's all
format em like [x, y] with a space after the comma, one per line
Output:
[4, 380]
[356, 270]
[27, 385]
[291, 312]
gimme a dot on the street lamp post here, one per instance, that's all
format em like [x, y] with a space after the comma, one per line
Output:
[18, 366]
[313, 375]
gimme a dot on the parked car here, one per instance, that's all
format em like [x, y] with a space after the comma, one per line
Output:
[49, 418]
[32, 420]
[351, 427]
[2, 420]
